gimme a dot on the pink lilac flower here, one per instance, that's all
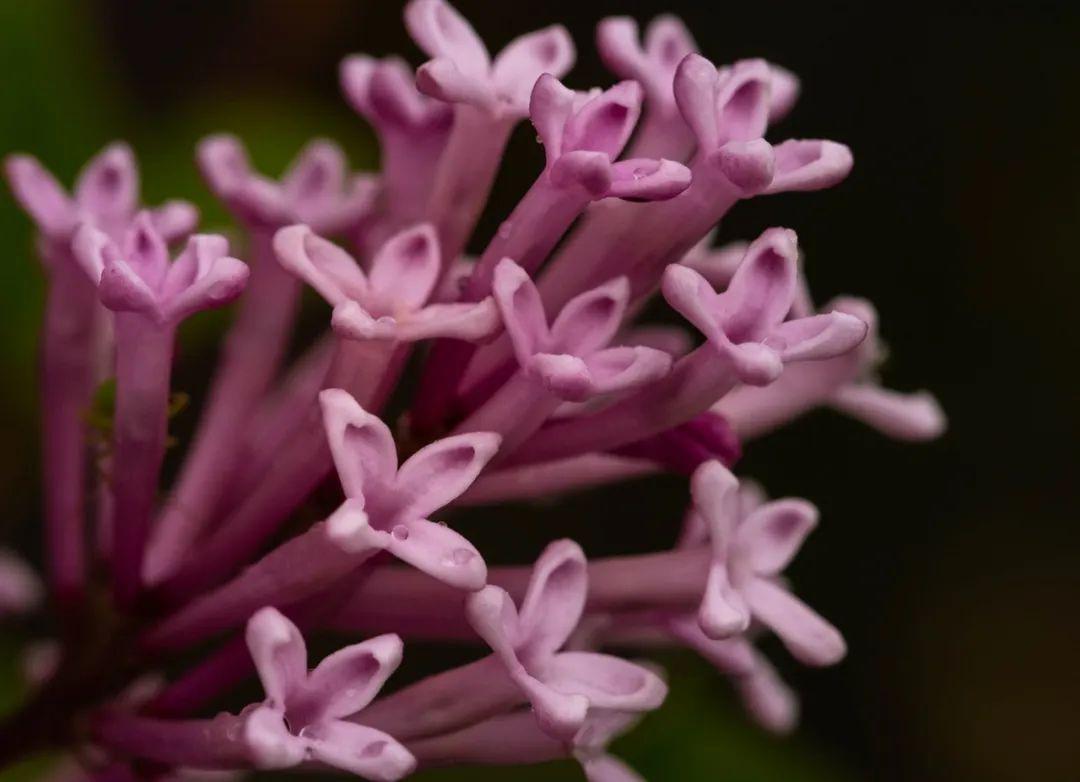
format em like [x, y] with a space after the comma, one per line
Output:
[526, 372]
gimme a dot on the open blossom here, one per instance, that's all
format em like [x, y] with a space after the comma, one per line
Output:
[317, 496]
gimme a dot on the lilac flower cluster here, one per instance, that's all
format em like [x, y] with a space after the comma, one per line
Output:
[536, 377]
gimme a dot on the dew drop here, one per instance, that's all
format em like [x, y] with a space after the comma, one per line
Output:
[400, 532]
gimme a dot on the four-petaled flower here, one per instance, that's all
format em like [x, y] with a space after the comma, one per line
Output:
[564, 687]
[136, 276]
[390, 300]
[304, 714]
[461, 69]
[570, 357]
[747, 323]
[749, 555]
[396, 501]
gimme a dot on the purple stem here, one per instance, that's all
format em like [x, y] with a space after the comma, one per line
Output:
[366, 369]
[696, 382]
[401, 600]
[143, 367]
[252, 355]
[516, 411]
[213, 743]
[527, 236]
[298, 568]
[67, 380]
[445, 701]
[638, 240]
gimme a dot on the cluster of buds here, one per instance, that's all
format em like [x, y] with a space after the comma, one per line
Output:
[536, 377]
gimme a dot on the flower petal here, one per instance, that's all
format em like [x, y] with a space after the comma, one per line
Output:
[38, 192]
[350, 678]
[554, 599]
[362, 446]
[817, 336]
[442, 32]
[915, 417]
[521, 309]
[269, 742]
[762, 289]
[108, 187]
[278, 651]
[742, 102]
[520, 63]
[438, 473]
[808, 637]
[803, 165]
[771, 535]
[440, 552]
[321, 264]
[723, 611]
[406, 268]
[590, 320]
[648, 180]
[604, 123]
[607, 681]
[491, 613]
[316, 178]
[358, 749]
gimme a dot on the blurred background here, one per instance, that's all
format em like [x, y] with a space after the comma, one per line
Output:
[952, 568]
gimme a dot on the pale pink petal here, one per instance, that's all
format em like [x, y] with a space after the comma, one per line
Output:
[442, 32]
[732, 656]
[269, 742]
[771, 535]
[175, 219]
[520, 63]
[491, 613]
[550, 106]
[768, 699]
[607, 768]
[280, 656]
[406, 268]
[109, 185]
[723, 611]
[915, 417]
[808, 637]
[438, 473]
[350, 678]
[742, 102]
[144, 250]
[440, 552]
[640, 179]
[762, 289]
[622, 368]
[608, 682]
[555, 598]
[321, 264]
[220, 280]
[38, 192]
[695, 87]
[358, 749]
[817, 337]
[472, 322]
[605, 122]
[810, 165]
[224, 163]
[316, 177]
[590, 320]
[783, 93]
[362, 446]
[521, 309]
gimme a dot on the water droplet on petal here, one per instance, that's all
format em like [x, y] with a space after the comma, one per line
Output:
[400, 532]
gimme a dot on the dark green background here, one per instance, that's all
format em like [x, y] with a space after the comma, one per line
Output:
[951, 568]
